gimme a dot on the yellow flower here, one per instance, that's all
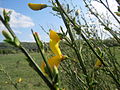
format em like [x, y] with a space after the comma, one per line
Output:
[37, 6]
[19, 80]
[98, 63]
[54, 43]
[53, 61]
[54, 46]
[6, 82]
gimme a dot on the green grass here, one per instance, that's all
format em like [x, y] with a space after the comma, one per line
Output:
[117, 52]
[17, 67]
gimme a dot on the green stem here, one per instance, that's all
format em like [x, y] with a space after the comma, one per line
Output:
[75, 47]
[114, 35]
[37, 68]
[110, 11]
[8, 27]
[109, 30]
[43, 56]
[116, 81]
[77, 26]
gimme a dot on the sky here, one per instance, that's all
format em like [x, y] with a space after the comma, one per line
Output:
[23, 19]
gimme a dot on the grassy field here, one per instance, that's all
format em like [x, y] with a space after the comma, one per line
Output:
[17, 67]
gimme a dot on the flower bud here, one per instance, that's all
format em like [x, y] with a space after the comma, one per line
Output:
[7, 35]
[117, 13]
[37, 37]
[19, 80]
[77, 12]
[98, 63]
[37, 6]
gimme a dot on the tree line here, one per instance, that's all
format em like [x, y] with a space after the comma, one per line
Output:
[5, 48]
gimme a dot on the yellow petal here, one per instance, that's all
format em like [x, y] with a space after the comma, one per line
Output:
[53, 61]
[54, 43]
[98, 63]
[54, 46]
[37, 6]
[54, 36]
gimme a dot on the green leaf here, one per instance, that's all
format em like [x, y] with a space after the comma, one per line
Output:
[8, 41]
[62, 36]
[7, 19]
[55, 9]
[93, 83]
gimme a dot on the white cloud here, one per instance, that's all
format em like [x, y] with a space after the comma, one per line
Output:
[17, 31]
[18, 20]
